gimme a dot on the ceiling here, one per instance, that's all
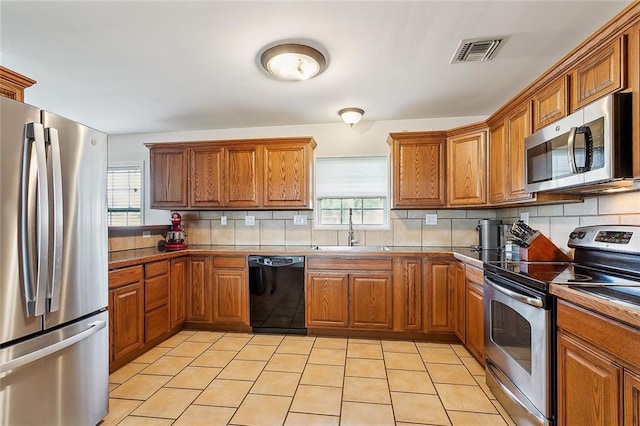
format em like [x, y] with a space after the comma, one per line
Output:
[149, 66]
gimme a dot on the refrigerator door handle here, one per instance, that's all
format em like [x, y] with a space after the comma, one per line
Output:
[94, 327]
[34, 220]
[54, 171]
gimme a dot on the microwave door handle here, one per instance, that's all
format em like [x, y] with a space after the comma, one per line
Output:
[588, 155]
[571, 153]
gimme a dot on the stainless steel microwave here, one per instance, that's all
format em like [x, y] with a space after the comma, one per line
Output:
[587, 151]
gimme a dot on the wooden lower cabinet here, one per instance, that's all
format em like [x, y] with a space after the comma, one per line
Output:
[457, 308]
[407, 296]
[474, 313]
[126, 312]
[327, 299]
[156, 300]
[598, 369]
[371, 301]
[177, 310]
[438, 297]
[589, 385]
[199, 291]
[230, 296]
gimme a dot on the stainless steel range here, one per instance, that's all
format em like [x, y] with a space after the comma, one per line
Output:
[520, 319]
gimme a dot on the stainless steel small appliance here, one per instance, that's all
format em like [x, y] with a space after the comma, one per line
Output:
[520, 319]
[490, 234]
[276, 294]
[589, 150]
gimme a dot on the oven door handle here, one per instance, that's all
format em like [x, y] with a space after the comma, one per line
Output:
[519, 297]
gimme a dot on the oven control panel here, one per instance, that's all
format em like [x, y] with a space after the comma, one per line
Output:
[618, 238]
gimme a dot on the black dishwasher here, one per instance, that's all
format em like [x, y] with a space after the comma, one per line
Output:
[276, 294]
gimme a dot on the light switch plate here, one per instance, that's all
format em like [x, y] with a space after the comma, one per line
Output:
[299, 219]
[223, 220]
[431, 219]
[250, 220]
[524, 216]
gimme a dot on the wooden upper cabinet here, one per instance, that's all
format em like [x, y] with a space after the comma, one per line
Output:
[418, 165]
[466, 165]
[169, 177]
[238, 174]
[497, 164]
[598, 74]
[206, 176]
[550, 104]
[519, 127]
[12, 84]
[241, 168]
[287, 169]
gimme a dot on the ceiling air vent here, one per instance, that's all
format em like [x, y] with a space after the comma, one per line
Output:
[476, 50]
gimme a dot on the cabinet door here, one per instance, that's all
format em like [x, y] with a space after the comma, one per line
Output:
[286, 175]
[127, 314]
[418, 163]
[598, 75]
[177, 298]
[588, 385]
[466, 160]
[631, 398]
[519, 127]
[407, 282]
[326, 299]
[550, 104]
[370, 300]
[168, 170]
[199, 308]
[474, 317]
[230, 296]
[206, 177]
[241, 172]
[497, 165]
[458, 290]
[438, 297]
[12, 84]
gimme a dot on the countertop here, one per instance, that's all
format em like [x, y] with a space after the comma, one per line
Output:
[121, 259]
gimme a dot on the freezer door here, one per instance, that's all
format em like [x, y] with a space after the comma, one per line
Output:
[58, 378]
[78, 219]
[14, 321]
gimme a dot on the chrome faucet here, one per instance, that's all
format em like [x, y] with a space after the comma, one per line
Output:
[352, 241]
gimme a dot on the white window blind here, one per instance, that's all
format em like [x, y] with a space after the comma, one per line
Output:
[124, 195]
[343, 177]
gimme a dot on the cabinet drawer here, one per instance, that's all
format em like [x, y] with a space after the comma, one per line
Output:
[474, 275]
[350, 264]
[229, 262]
[156, 323]
[124, 276]
[156, 292]
[156, 268]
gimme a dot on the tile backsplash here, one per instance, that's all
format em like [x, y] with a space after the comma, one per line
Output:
[407, 227]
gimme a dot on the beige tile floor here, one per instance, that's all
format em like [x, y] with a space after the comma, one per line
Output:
[215, 378]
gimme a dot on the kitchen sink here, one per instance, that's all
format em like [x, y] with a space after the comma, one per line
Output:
[351, 248]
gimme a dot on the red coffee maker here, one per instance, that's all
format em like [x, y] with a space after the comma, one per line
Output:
[175, 239]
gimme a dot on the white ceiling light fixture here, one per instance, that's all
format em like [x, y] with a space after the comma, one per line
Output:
[292, 61]
[351, 115]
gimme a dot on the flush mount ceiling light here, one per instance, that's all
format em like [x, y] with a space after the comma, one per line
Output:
[351, 115]
[293, 61]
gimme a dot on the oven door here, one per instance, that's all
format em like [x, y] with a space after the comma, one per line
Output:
[518, 350]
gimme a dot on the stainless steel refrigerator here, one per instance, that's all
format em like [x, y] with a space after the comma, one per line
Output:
[53, 269]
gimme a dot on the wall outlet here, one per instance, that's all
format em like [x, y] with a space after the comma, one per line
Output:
[431, 219]
[223, 220]
[146, 234]
[299, 219]
[524, 216]
[250, 220]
